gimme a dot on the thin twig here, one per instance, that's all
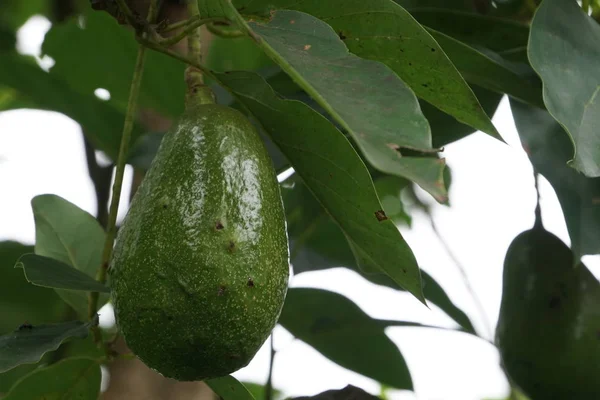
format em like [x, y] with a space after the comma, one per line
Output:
[538, 208]
[269, 384]
[478, 304]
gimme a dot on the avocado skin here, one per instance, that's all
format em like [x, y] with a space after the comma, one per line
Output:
[201, 264]
[548, 332]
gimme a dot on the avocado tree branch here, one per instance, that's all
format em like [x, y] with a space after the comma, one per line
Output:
[120, 171]
[101, 178]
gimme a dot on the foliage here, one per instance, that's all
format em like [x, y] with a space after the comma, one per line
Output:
[357, 96]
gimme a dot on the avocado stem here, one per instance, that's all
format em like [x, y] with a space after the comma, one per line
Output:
[197, 92]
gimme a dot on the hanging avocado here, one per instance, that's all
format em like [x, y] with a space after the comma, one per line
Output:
[201, 263]
[548, 332]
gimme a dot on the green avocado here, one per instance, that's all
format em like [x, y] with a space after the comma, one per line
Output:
[548, 332]
[201, 264]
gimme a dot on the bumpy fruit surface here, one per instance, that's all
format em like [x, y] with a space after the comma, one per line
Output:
[201, 263]
[549, 327]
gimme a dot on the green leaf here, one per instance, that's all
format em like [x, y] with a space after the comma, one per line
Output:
[317, 243]
[342, 332]
[491, 71]
[102, 122]
[334, 173]
[549, 149]
[564, 51]
[69, 379]
[48, 272]
[99, 53]
[258, 391]
[229, 388]
[21, 302]
[68, 234]
[383, 31]
[349, 392]
[29, 343]
[365, 97]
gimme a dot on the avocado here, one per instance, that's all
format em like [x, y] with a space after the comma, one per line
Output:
[200, 267]
[548, 331]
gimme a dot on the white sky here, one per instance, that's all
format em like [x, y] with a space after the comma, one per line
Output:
[492, 198]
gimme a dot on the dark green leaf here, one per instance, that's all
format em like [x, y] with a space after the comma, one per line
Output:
[564, 51]
[229, 388]
[317, 243]
[348, 393]
[7, 40]
[14, 13]
[365, 97]
[68, 234]
[549, 149]
[144, 150]
[491, 71]
[496, 34]
[445, 129]
[101, 54]
[48, 272]
[333, 171]
[342, 332]
[21, 302]
[103, 123]
[442, 4]
[383, 31]
[28, 343]
[69, 379]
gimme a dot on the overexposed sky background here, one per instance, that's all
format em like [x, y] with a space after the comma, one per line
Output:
[492, 197]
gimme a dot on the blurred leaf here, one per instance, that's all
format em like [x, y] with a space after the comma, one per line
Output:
[29, 343]
[333, 171]
[388, 189]
[229, 388]
[68, 234]
[22, 303]
[317, 243]
[383, 31]
[69, 379]
[238, 54]
[496, 34]
[465, 5]
[144, 150]
[549, 149]
[48, 272]
[348, 393]
[564, 51]
[14, 13]
[101, 54]
[342, 332]
[103, 123]
[445, 129]
[7, 40]
[350, 89]
[491, 71]
[258, 391]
